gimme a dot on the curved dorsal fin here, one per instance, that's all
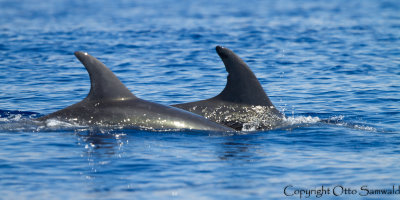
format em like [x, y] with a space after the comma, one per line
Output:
[104, 84]
[242, 85]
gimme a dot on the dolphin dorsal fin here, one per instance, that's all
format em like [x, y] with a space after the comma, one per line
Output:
[104, 84]
[242, 85]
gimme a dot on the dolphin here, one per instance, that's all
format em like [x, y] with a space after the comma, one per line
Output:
[243, 100]
[110, 103]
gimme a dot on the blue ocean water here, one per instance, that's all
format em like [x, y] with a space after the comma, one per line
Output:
[317, 60]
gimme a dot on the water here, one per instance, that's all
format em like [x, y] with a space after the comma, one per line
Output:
[319, 62]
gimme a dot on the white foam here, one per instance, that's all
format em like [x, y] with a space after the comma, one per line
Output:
[336, 118]
[16, 117]
[364, 128]
[4, 120]
[53, 123]
[301, 120]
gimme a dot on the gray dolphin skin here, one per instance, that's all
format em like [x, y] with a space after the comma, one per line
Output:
[243, 100]
[110, 103]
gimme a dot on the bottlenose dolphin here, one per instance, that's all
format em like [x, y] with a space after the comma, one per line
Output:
[110, 103]
[242, 102]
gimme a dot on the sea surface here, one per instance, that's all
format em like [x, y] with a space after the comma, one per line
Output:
[332, 67]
